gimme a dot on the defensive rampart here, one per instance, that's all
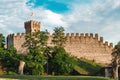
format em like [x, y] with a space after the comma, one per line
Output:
[17, 41]
[88, 46]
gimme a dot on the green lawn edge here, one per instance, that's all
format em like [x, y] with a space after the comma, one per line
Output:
[32, 77]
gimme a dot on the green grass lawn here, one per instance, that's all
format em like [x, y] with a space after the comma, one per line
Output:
[30, 77]
[87, 67]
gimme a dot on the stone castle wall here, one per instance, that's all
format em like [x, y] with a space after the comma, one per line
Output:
[17, 41]
[88, 46]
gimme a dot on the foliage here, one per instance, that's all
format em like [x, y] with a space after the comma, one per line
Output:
[2, 40]
[116, 60]
[116, 52]
[58, 37]
[38, 39]
[62, 62]
[36, 59]
[9, 59]
[116, 55]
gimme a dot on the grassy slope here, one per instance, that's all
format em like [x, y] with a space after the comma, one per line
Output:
[26, 77]
[84, 67]
[87, 67]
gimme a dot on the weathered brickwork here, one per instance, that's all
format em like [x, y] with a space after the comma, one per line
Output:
[17, 41]
[32, 26]
[88, 46]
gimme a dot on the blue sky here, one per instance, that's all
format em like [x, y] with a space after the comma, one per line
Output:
[58, 7]
[76, 16]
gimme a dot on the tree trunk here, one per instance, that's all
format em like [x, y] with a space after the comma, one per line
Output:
[115, 70]
[21, 67]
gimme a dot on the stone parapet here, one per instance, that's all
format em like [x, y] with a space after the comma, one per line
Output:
[86, 39]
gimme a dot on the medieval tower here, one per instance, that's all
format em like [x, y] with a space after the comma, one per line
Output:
[86, 45]
[32, 26]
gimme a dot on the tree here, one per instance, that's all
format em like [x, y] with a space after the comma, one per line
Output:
[58, 37]
[36, 43]
[49, 54]
[36, 60]
[62, 62]
[8, 56]
[2, 40]
[9, 59]
[38, 39]
[116, 60]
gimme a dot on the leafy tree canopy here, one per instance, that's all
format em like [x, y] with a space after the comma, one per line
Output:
[37, 44]
[36, 39]
[116, 60]
[2, 40]
[62, 62]
[58, 36]
[116, 52]
[9, 60]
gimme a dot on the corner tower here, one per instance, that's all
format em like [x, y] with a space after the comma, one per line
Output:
[31, 26]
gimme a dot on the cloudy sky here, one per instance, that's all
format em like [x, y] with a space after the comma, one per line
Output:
[82, 16]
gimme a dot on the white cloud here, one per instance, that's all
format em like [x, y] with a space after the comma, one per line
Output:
[14, 13]
[116, 3]
[99, 16]
[10, 14]
[48, 19]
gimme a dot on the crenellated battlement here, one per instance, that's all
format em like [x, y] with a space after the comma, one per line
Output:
[78, 38]
[86, 39]
[31, 26]
[16, 36]
[17, 40]
[10, 35]
[31, 22]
